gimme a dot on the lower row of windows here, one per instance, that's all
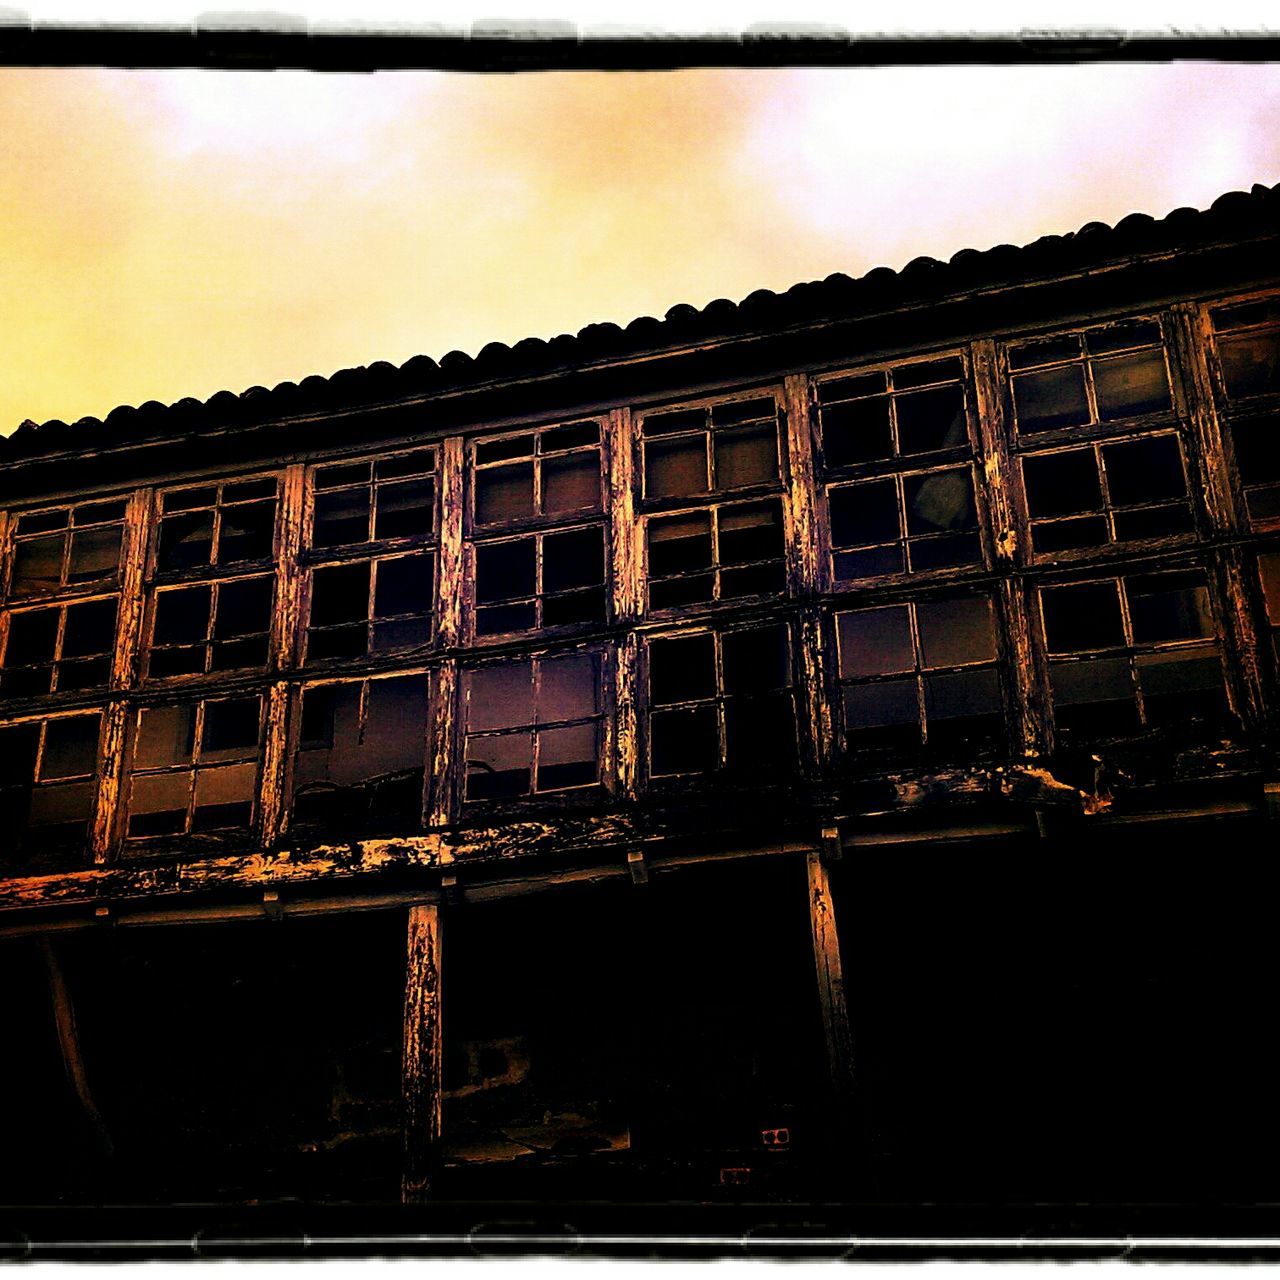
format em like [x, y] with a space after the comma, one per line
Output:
[1124, 653]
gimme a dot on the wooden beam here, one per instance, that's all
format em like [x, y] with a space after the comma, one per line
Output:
[421, 1064]
[831, 995]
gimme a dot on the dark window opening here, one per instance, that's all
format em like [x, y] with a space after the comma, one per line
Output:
[1102, 375]
[904, 524]
[222, 524]
[68, 547]
[721, 701]
[59, 649]
[551, 472]
[532, 726]
[361, 753]
[370, 607]
[390, 498]
[195, 767]
[540, 580]
[211, 627]
[725, 553]
[1090, 496]
[1249, 347]
[1257, 450]
[714, 449]
[920, 674]
[1269, 572]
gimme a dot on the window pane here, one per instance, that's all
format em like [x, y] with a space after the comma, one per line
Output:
[733, 411]
[182, 615]
[1051, 399]
[166, 735]
[1144, 471]
[186, 540]
[679, 544]
[863, 514]
[247, 490]
[347, 473]
[930, 420]
[33, 638]
[675, 592]
[1187, 682]
[90, 629]
[1251, 364]
[37, 566]
[1044, 351]
[339, 642]
[248, 533]
[1131, 384]
[189, 499]
[403, 633]
[1131, 333]
[663, 424]
[1094, 697]
[572, 436]
[567, 757]
[856, 432]
[576, 607]
[567, 688]
[1169, 606]
[759, 734]
[573, 559]
[230, 727]
[403, 585]
[875, 642]
[1067, 535]
[750, 533]
[849, 566]
[504, 493]
[505, 570]
[953, 632]
[19, 745]
[860, 384]
[158, 804]
[498, 450]
[420, 462]
[886, 713]
[497, 620]
[340, 594]
[946, 552]
[969, 696]
[95, 553]
[682, 668]
[341, 517]
[746, 457]
[940, 500]
[571, 483]
[683, 741]
[69, 806]
[70, 747]
[224, 797]
[675, 467]
[499, 697]
[499, 766]
[405, 510]
[755, 660]
[1257, 449]
[1082, 617]
[1060, 484]
[244, 608]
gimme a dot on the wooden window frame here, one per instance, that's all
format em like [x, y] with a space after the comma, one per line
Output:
[371, 544]
[215, 586]
[44, 719]
[62, 605]
[214, 566]
[65, 587]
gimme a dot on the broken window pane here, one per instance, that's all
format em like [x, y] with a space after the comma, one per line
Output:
[37, 566]
[1094, 697]
[29, 653]
[857, 431]
[955, 631]
[405, 509]
[1257, 451]
[883, 714]
[166, 736]
[85, 547]
[341, 517]
[1269, 573]
[679, 551]
[568, 688]
[962, 707]
[1132, 384]
[683, 740]
[95, 553]
[929, 420]
[1051, 398]
[759, 734]
[499, 766]
[1082, 617]
[230, 726]
[158, 804]
[186, 540]
[1169, 606]
[1062, 484]
[224, 798]
[358, 502]
[875, 642]
[693, 451]
[755, 660]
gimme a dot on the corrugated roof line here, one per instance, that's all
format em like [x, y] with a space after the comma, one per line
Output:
[836, 296]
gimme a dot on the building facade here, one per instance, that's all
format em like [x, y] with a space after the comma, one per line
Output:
[814, 748]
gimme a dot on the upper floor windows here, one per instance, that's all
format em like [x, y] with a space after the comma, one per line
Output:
[551, 472]
[58, 649]
[543, 579]
[220, 524]
[215, 626]
[374, 501]
[373, 606]
[66, 548]
[1248, 342]
[1100, 375]
[710, 448]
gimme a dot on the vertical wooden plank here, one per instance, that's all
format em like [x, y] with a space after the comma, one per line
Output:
[1001, 503]
[625, 552]
[421, 1064]
[800, 500]
[450, 594]
[286, 622]
[443, 769]
[108, 814]
[626, 721]
[273, 785]
[831, 993]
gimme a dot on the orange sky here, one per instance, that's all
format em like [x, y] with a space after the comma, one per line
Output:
[165, 234]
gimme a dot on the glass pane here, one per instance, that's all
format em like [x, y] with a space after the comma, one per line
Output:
[33, 638]
[860, 384]
[83, 673]
[1067, 535]
[403, 585]
[499, 697]
[945, 552]
[70, 747]
[340, 594]
[186, 540]
[182, 615]
[1060, 484]
[663, 424]
[498, 450]
[682, 668]
[764, 579]
[571, 483]
[420, 462]
[675, 592]
[158, 804]
[406, 509]
[1269, 572]
[1251, 365]
[248, 533]
[567, 757]
[19, 746]
[961, 695]
[940, 500]
[567, 688]
[953, 632]
[499, 766]
[43, 521]
[37, 566]
[337, 642]
[1184, 683]
[849, 566]
[504, 493]
[230, 727]
[1132, 384]
[1169, 606]
[247, 490]
[347, 473]
[166, 735]
[1082, 617]
[675, 467]
[403, 633]
[575, 607]
[747, 457]
[228, 655]
[733, 411]
[857, 431]
[188, 499]
[572, 436]
[886, 712]
[90, 629]
[1257, 449]
[679, 544]
[750, 533]
[1051, 399]
[224, 798]
[683, 741]
[948, 369]
[755, 660]
[1094, 697]
[95, 553]
[496, 620]
[182, 660]
[505, 570]
[341, 518]
[244, 608]
[1044, 351]
[1153, 522]
[1144, 471]
[930, 420]
[875, 642]
[69, 805]
[1263, 503]
[1130, 333]
[863, 514]
[573, 559]
[759, 734]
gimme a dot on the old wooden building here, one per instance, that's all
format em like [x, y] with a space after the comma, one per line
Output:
[814, 748]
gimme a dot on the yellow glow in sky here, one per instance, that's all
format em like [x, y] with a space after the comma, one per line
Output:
[170, 234]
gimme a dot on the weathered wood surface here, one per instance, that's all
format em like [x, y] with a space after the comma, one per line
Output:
[836, 1028]
[422, 1074]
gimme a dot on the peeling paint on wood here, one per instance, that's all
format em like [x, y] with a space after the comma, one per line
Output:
[422, 1072]
[836, 1027]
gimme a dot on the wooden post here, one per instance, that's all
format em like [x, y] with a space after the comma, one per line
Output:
[421, 1074]
[835, 1013]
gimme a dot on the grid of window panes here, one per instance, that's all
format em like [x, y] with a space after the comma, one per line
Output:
[532, 725]
[1132, 652]
[62, 648]
[1247, 337]
[219, 524]
[371, 607]
[721, 701]
[377, 500]
[210, 627]
[553, 472]
[1100, 375]
[920, 673]
[66, 548]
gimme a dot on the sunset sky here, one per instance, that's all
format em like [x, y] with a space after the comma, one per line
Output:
[169, 234]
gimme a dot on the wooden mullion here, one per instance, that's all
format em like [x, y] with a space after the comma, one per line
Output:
[421, 1059]
[625, 552]
[800, 499]
[836, 1026]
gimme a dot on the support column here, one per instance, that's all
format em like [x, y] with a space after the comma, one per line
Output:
[421, 1063]
[835, 1013]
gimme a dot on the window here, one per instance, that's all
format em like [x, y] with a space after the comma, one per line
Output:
[551, 472]
[66, 547]
[219, 626]
[532, 726]
[195, 767]
[1269, 571]
[47, 782]
[361, 752]
[1248, 344]
[920, 673]
[374, 501]
[1104, 493]
[721, 700]
[909, 523]
[1133, 651]
[1101, 375]
[719, 553]
[892, 413]
[59, 649]
[371, 606]
[219, 524]
[707, 449]
[540, 580]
